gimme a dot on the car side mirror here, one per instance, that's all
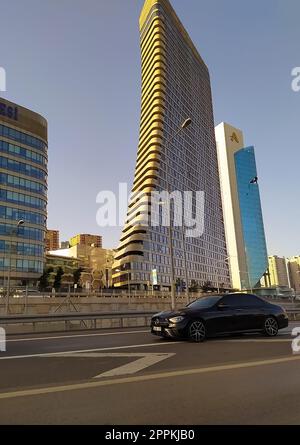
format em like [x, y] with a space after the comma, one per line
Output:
[223, 306]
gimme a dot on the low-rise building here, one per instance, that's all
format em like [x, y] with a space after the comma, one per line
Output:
[278, 272]
[95, 262]
[294, 272]
[68, 264]
[86, 239]
[52, 240]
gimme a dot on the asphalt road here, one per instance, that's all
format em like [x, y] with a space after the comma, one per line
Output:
[129, 376]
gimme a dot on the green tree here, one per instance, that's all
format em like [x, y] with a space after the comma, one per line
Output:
[222, 287]
[77, 274]
[179, 284]
[58, 277]
[194, 286]
[207, 286]
[44, 279]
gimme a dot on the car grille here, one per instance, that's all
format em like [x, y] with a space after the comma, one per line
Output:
[160, 322]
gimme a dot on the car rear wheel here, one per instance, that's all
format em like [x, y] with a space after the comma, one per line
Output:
[271, 327]
[197, 331]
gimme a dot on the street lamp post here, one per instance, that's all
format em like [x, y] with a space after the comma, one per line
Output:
[129, 292]
[253, 181]
[217, 276]
[217, 279]
[286, 262]
[168, 142]
[248, 271]
[13, 231]
[185, 266]
[295, 290]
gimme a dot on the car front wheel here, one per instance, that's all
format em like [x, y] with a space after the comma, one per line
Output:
[197, 331]
[271, 327]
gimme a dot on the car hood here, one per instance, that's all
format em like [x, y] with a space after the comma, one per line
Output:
[175, 313]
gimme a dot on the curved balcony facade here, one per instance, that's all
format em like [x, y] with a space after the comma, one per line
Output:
[175, 86]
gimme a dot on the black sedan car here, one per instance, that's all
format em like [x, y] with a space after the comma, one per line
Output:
[221, 315]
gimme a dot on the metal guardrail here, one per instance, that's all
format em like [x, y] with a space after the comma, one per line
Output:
[292, 312]
[73, 316]
[94, 316]
[76, 316]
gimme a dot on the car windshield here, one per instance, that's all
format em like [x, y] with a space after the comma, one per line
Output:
[205, 302]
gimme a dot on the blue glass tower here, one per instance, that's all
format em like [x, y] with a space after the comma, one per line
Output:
[251, 214]
[23, 194]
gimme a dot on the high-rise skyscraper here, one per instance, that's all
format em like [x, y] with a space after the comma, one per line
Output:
[23, 193]
[175, 87]
[244, 228]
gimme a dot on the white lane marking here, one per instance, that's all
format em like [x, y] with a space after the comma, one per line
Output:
[138, 365]
[75, 336]
[259, 340]
[51, 354]
[224, 340]
[144, 378]
[283, 332]
[145, 360]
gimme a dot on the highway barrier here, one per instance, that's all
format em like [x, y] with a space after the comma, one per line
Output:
[81, 320]
[75, 321]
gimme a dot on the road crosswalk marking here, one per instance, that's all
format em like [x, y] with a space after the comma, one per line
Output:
[144, 360]
[145, 378]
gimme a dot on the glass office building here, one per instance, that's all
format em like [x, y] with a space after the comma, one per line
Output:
[244, 228]
[251, 214]
[23, 193]
[175, 87]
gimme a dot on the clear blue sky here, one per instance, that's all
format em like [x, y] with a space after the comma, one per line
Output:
[77, 62]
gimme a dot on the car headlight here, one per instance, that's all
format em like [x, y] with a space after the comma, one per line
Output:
[176, 319]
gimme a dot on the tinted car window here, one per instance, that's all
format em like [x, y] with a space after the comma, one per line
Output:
[251, 300]
[231, 300]
[205, 302]
[242, 300]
